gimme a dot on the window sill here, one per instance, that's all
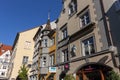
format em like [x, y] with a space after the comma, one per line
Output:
[70, 15]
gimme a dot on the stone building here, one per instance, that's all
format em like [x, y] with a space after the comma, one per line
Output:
[88, 39]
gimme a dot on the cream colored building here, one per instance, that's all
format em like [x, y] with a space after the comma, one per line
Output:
[23, 49]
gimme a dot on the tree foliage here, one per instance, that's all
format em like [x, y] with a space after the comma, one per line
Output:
[69, 77]
[113, 76]
[23, 73]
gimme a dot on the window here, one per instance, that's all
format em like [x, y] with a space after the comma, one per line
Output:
[27, 45]
[64, 33]
[7, 55]
[65, 56]
[88, 46]
[3, 73]
[85, 19]
[45, 42]
[117, 5]
[52, 59]
[72, 7]
[63, 6]
[25, 59]
[44, 61]
[3, 50]
[53, 41]
[4, 67]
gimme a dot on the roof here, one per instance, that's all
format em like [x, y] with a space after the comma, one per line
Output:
[5, 48]
[48, 25]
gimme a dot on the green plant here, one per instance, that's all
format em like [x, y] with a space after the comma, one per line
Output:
[113, 76]
[23, 73]
[69, 77]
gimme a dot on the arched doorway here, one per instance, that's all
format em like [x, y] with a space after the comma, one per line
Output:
[93, 71]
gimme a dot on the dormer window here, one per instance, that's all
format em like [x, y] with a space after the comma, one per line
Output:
[3, 50]
[72, 7]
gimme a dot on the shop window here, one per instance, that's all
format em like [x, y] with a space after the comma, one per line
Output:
[88, 46]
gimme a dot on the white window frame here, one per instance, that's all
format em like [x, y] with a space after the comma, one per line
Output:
[45, 43]
[25, 59]
[88, 46]
[85, 19]
[65, 55]
[64, 33]
[52, 58]
[44, 61]
[72, 8]
[27, 45]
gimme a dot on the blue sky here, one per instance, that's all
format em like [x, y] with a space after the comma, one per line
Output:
[20, 15]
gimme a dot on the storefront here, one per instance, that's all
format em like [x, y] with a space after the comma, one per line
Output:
[92, 71]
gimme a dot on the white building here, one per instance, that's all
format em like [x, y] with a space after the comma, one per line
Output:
[5, 56]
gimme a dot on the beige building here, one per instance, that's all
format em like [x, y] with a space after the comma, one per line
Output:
[23, 49]
[88, 39]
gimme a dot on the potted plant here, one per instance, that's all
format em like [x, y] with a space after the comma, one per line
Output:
[69, 77]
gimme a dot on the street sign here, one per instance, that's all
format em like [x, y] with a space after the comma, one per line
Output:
[52, 69]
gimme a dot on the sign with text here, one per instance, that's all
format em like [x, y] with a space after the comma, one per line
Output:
[52, 69]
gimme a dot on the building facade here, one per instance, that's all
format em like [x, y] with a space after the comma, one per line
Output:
[5, 55]
[51, 75]
[22, 53]
[41, 57]
[88, 41]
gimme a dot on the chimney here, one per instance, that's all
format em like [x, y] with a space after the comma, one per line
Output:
[0, 44]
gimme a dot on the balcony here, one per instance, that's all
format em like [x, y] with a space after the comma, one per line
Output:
[63, 42]
[43, 70]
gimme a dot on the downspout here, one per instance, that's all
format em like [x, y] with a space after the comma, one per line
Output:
[107, 26]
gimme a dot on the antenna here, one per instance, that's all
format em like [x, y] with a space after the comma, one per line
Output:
[48, 14]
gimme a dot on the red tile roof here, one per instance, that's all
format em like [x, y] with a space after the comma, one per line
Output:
[5, 48]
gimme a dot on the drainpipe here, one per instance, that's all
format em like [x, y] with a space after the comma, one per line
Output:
[107, 26]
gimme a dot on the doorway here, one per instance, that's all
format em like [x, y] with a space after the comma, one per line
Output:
[93, 72]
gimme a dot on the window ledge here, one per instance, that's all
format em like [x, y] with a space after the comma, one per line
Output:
[83, 31]
[70, 15]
